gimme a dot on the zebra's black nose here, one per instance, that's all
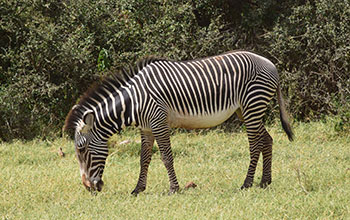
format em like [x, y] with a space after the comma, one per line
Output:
[97, 184]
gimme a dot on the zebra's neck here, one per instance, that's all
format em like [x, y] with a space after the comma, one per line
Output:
[115, 110]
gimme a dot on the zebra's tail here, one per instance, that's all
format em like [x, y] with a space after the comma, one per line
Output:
[284, 115]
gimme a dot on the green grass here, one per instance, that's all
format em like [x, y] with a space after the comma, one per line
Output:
[311, 179]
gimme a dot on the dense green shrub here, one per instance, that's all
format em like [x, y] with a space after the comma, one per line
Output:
[52, 50]
[312, 49]
[45, 62]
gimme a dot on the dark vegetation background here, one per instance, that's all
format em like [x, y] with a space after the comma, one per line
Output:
[52, 50]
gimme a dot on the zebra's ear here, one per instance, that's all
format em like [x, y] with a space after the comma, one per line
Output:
[88, 119]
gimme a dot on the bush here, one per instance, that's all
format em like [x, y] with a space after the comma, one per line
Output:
[311, 48]
[45, 62]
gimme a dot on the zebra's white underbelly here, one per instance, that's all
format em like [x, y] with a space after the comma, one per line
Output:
[177, 120]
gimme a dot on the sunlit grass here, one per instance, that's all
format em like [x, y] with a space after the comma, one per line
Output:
[311, 178]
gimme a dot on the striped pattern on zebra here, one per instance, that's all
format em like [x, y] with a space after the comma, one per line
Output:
[160, 94]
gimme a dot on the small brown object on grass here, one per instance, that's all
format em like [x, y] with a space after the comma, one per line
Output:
[60, 152]
[190, 185]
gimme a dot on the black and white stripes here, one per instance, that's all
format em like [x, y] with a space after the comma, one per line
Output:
[159, 94]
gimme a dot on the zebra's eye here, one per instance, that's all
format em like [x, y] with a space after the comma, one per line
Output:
[80, 142]
[80, 146]
[82, 149]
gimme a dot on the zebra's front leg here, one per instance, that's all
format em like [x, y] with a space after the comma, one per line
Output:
[147, 141]
[162, 136]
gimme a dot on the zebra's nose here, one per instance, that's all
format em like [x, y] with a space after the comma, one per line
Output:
[97, 183]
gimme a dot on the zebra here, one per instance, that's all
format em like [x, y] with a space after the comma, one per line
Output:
[159, 94]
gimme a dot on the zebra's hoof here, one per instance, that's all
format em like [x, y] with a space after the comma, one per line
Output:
[245, 187]
[264, 183]
[137, 190]
[173, 190]
[247, 184]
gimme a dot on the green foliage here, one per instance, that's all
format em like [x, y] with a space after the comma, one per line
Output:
[312, 50]
[51, 51]
[103, 61]
[46, 61]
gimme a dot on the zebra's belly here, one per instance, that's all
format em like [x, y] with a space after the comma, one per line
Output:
[177, 120]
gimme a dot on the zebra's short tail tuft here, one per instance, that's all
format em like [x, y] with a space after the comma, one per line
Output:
[284, 116]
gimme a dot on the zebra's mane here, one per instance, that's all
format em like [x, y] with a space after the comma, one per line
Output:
[118, 79]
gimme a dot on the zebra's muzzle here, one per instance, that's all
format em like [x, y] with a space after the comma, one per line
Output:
[97, 184]
[93, 184]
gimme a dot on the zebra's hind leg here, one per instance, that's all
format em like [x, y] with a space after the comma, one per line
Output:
[255, 147]
[162, 136]
[147, 141]
[267, 159]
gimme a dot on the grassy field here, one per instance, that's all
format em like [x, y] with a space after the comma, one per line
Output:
[311, 179]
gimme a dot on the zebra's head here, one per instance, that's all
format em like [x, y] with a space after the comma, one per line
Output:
[91, 151]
